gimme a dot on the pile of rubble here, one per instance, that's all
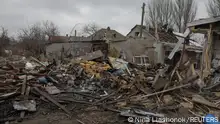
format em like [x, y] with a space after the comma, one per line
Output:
[114, 85]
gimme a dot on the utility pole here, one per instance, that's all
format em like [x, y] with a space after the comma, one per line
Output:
[75, 33]
[142, 19]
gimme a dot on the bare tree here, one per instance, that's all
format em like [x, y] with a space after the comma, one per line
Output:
[50, 28]
[4, 39]
[184, 12]
[32, 33]
[160, 12]
[38, 31]
[90, 29]
[213, 7]
[35, 35]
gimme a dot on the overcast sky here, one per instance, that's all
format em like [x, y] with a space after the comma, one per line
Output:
[120, 15]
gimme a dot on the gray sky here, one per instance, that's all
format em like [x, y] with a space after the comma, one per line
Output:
[120, 15]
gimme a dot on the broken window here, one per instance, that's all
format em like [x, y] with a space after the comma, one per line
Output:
[137, 34]
[141, 60]
[114, 35]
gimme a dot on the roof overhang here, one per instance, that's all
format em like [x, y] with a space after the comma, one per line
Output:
[187, 47]
[204, 21]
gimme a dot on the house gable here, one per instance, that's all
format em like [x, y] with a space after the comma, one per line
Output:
[135, 31]
[107, 34]
[163, 35]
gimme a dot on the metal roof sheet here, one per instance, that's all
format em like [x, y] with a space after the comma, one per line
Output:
[204, 21]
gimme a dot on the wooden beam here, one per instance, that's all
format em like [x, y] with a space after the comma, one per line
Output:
[204, 31]
[207, 54]
[181, 41]
[190, 79]
[44, 94]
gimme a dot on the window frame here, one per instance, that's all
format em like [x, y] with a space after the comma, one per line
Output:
[144, 60]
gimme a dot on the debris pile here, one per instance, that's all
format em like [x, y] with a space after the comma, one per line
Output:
[115, 85]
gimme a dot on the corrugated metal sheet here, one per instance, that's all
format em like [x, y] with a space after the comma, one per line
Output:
[188, 48]
[204, 21]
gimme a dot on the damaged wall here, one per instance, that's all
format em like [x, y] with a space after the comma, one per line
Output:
[76, 49]
[136, 47]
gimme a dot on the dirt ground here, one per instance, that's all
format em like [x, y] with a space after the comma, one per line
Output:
[49, 114]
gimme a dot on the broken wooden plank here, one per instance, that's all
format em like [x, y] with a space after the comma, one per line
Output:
[80, 121]
[111, 109]
[27, 92]
[87, 95]
[52, 79]
[186, 33]
[206, 55]
[168, 90]
[104, 98]
[24, 83]
[201, 100]
[46, 95]
[37, 61]
[22, 114]
[146, 113]
[8, 94]
[178, 75]
[11, 66]
[155, 79]
[76, 101]
[174, 88]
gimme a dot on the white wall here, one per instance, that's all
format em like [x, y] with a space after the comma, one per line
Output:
[136, 47]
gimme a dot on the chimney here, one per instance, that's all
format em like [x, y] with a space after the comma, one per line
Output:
[66, 35]
[75, 33]
[108, 28]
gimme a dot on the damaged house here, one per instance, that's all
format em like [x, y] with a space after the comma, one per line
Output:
[151, 42]
[211, 51]
[143, 51]
[192, 51]
[157, 49]
[59, 47]
[80, 46]
[107, 34]
[146, 49]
